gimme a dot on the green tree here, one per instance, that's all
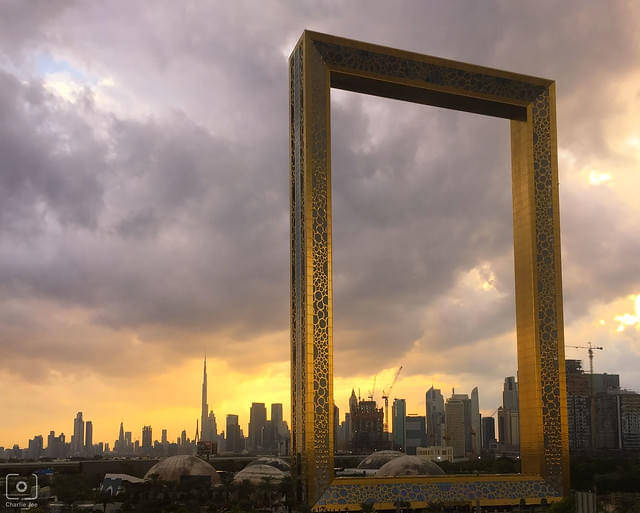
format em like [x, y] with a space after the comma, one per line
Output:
[71, 488]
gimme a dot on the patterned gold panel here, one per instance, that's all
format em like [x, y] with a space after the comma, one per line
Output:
[346, 492]
[319, 61]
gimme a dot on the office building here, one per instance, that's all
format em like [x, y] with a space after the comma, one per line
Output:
[257, 421]
[147, 440]
[437, 453]
[234, 442]
[489, 442]
[455, 424]
[509, 416]
[77, 439]
[35, 447]
[416, 429]
[476, 428]
[88, 439]
[399, 424]
[435, 417]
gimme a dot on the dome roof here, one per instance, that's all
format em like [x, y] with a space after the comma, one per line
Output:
[257, 473]
[173, 467]
[274, 462]
[375, 460]
[409, 466]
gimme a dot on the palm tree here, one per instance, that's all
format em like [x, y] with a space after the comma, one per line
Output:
[286, 489]
[265, 489]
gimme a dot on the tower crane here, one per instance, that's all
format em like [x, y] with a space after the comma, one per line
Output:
[385, 396]
[590, 348]
[373, 389]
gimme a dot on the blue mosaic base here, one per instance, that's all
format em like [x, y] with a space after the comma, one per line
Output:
[433, 491]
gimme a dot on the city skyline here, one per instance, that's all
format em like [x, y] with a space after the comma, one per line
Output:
[343, 403]
[144, 207]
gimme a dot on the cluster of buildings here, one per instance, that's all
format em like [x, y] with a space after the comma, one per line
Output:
[601, 415]
[450, 429]
[80, 445]
[266, 436]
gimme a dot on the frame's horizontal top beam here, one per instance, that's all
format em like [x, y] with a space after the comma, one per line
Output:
[361, 84]
[438, 61]
[407, 76]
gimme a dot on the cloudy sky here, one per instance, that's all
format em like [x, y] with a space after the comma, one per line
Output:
[144, 205]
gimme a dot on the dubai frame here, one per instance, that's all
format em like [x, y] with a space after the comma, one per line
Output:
[320, 62]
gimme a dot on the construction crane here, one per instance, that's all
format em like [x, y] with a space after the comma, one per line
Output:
[590, 347]
[385, 396]
[373, 389]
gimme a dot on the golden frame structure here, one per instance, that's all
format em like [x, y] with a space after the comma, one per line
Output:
[320, 62]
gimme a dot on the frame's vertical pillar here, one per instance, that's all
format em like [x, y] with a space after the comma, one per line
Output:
[544, 435]
[311, 294]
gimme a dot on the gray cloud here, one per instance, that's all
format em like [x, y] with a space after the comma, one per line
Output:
[174, 224]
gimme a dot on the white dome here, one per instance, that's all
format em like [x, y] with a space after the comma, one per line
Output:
[274, 462]
[409, 466]
[257, 473]
[376, 459]
[173, 467]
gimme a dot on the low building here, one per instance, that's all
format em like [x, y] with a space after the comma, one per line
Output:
[435, 453]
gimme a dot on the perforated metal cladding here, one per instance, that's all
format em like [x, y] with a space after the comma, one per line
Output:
[546, 289]
[321, 207]
[298, 278]
[371, 62]
[312, 405]
[311, 65]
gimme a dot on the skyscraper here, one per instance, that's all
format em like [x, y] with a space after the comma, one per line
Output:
[399, 424]
[257, 421]
[509, 416]
[460, 411]
[120, 447]
[52, 442]
[510, 394]
[488, 433]
[336, 425]
[353, 409]
[147, 439]
[88, 440]
[205, 435]
[210, 429]
[353, 402]
[416, 432]
[455, 424]
[276, 413]
[435, 417]
[234, 435]
[77, 443]
[476, 428]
